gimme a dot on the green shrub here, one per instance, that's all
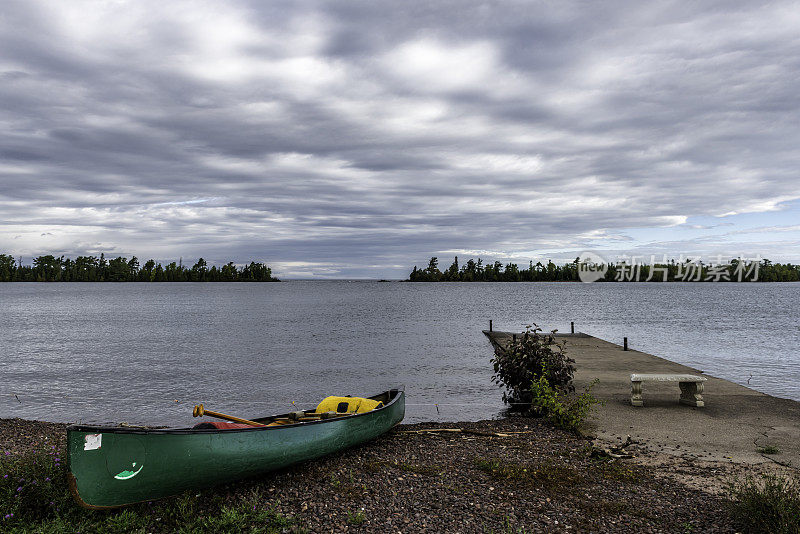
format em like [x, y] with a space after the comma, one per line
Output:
[769, 505]
[525, 360]
[564, 411]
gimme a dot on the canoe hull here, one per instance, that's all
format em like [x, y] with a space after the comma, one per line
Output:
[117, 466]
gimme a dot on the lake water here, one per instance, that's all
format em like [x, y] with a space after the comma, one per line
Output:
[127, 352]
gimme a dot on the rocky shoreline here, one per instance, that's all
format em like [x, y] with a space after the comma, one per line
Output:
[508, 475]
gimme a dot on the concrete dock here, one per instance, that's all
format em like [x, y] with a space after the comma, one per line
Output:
[734, 424]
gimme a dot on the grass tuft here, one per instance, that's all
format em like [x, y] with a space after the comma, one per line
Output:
[357, 518]
[548, 475]
[770, 504]
[377, 466]
[616, 471]
[34, 497]
[420, 469]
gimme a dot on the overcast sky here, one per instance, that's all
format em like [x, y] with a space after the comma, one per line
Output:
[356, 139]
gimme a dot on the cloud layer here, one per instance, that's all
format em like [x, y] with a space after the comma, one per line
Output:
[357, 138]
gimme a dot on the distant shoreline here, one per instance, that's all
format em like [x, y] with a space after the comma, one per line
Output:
[49, 268]
[735, 270]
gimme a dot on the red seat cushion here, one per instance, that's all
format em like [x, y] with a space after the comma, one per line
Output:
[222, 425]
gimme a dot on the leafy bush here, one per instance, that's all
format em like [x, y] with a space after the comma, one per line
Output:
[770, 505]
[524, 361]
[564, 411]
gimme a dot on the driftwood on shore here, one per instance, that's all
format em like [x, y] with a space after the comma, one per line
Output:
[464, 431]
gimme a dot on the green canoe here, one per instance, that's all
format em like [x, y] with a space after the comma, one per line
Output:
[112, 466]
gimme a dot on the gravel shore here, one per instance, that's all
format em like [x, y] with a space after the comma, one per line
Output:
[533, 478]
[19, 436]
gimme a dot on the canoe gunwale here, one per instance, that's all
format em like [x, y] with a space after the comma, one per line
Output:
[396, 394]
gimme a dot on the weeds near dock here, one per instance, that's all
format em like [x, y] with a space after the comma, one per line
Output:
[769, 505]
[769, 449]
[563, 411]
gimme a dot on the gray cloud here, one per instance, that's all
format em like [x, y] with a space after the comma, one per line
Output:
[352, 138]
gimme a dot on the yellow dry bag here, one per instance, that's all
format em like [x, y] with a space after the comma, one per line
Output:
[347, 405]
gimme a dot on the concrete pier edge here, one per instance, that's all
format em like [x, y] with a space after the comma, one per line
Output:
[735, 423]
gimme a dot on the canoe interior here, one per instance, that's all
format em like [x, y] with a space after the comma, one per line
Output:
[386, 398]
[115, 466]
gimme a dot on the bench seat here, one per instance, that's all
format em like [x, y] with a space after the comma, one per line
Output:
[691, 387]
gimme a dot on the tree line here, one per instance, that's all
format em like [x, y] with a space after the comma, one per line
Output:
[672, 271]
[50, 268]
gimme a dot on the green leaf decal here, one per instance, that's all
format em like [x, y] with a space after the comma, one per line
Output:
[125, 475]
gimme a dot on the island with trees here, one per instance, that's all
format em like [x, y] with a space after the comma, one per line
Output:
[734, 270]
[50, 268]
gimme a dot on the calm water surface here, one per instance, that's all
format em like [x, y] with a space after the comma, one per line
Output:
[128, 352]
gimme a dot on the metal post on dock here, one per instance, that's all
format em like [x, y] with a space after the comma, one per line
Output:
[490, 325]
[625, 343]
[572, 326]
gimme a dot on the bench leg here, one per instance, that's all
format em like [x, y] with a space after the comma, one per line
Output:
[636, 394]
[692, 394]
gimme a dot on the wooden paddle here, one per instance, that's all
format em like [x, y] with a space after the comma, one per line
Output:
[200, 411]
[302, 417]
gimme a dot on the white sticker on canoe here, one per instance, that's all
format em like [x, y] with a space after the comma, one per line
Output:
[92, 441]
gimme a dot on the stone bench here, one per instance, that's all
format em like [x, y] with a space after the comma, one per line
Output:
[691, 387]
